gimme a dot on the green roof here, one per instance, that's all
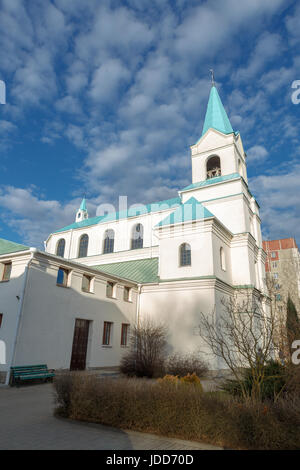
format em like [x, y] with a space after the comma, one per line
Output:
[7, 246]
[216, 116]
[190, 210]
[216, 179]
[125, 214]
[83, 205]
[142, 271]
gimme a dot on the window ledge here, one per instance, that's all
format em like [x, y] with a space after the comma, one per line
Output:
[5, 280]
[65, 287]
[87, 291]
[106, 346]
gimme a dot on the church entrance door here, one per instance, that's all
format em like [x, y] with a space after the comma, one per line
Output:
[80, 342]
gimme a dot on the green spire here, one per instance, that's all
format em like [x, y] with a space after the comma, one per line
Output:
[83, 205]
[216, 117]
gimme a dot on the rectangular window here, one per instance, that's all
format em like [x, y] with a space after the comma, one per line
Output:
[127, 294]
[6, 271]
[275, 275]
[62, 277]
[274, 264]
[107, 328]
[86, 283]
[273, 254]
[110, 289]
[278, 297]
[124, 334]
[1, 318]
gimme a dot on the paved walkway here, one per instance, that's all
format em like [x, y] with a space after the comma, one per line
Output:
[27, 422]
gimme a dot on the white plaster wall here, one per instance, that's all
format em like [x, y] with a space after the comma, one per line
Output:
[230, 212]
[123, 230]
[48, 319]
[243, 261]
[178, 305]
[10, 304]
[214, 191]
[200, 240]
[120, 256]
[218, 243]
[227, 159]
[228, 147]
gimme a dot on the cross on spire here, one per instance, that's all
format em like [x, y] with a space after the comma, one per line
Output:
[212, 77]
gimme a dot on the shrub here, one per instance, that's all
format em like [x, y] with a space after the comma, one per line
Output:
[181, 365]
[181, 412]
[272, 384]
[169, 380]
[147, 352]
[64, 386]
[191, 379]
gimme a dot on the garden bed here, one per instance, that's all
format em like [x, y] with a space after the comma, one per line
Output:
[180, 411]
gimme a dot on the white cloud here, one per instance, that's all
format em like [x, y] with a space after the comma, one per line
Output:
[292, 24]
[68, 104]
[6, 126]
[268, 47]
[134, 89]
[107, 79]
[257, 154]
[279, 197]
[35, 218]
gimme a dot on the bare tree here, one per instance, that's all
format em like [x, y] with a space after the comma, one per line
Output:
[241, 336]
[147, 350]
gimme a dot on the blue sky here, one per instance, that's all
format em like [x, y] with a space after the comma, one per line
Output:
[104, 98]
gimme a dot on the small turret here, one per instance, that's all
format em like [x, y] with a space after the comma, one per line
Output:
[82, 212]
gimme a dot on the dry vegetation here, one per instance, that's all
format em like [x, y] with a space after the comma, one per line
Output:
[179, 410]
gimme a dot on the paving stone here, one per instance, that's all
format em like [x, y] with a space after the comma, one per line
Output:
[27, 422]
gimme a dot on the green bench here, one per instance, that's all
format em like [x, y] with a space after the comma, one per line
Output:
[21, 373]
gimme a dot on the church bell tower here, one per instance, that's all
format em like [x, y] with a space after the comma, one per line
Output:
[82, 212]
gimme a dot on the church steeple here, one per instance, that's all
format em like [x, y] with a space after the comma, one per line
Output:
[82, 212]
[216, 116]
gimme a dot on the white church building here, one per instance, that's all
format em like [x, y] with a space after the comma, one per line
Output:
[168, 261]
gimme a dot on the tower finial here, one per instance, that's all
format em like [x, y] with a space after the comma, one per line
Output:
[212, 77]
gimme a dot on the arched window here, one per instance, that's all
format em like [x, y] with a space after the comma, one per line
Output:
[60, 248]
[109, 241]
[83, 246]
[213, 167]
[222, 259]
[137, 237]
[185, 255]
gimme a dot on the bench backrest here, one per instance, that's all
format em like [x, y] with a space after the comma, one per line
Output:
[24, 370]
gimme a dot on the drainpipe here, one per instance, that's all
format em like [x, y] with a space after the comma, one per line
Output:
[137, 314]
[33, 251]
[71, 236]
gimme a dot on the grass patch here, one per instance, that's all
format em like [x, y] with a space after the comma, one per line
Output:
[179, 410]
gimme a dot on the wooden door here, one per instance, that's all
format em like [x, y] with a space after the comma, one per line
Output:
[80, 342]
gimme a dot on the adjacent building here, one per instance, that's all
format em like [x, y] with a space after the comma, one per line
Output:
[283, 270]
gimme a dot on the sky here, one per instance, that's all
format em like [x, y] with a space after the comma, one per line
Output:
[104, 99]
